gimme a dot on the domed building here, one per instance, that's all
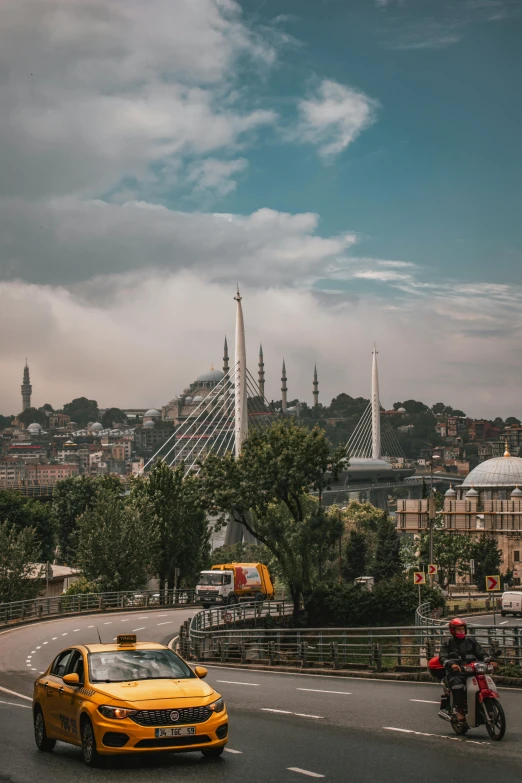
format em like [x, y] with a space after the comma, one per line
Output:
[490, 501]
[35, 429]
[151, 415]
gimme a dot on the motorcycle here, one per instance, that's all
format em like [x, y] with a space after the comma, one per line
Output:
[483, 707]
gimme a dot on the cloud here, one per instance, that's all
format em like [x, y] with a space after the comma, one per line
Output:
[333, 117]
[215, 175]
[102, 91]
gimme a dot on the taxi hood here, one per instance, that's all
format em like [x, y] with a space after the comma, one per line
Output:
[150, 690]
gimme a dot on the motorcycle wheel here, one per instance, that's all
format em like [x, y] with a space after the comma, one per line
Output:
[496, 726]
[459, 728]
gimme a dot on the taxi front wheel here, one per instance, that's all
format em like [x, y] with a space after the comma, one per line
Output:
[90, 754]
[213, 753]
[43, 743]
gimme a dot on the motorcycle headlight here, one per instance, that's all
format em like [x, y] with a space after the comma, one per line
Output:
[116, 713]
[217, 706]
[481, 668]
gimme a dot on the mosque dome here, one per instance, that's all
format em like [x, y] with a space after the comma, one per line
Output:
[149, 425]
[517, 492]
[197, 398]
[34, 429]
[188, 399]
[471, 493]
[97, 426]
[450, 493]
[401, 410]
[211, 376]
[152, 412]
[503, 471]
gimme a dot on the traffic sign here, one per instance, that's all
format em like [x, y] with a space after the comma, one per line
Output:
[419, 578]
[228, 617]
[433, 569]
[492, 583]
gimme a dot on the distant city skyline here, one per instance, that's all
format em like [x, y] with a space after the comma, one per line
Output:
[354, 165]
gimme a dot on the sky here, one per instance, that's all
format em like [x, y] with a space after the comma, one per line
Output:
[354, 165]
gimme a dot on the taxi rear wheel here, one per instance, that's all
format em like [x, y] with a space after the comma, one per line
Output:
[90, 754]
[43, 743]
[213, 753]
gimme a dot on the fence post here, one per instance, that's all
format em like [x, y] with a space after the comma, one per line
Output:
[334, 647]
[271, 653]
[399, 648]
[377, 656]
[516, 643]
[304, 655]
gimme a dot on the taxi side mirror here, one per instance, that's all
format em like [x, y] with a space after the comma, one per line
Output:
[201, 672]
[71, 679]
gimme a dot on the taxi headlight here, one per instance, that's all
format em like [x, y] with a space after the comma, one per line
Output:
[217, 706]
[117, 713]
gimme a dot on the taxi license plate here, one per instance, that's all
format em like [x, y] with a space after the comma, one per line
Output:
[186, 731]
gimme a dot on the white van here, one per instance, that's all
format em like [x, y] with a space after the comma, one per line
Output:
[511, 603]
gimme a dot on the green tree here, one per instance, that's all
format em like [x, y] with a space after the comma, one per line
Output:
[451, 552]
[19, 551]
[487, 557]
[113, 416]
[24, 513]
[180, 520]
[33, 416]
[82, 411]
[5, 422]
[512, 421]
[72, 497]
[267, 490]
[47, 407]
[116, 539]
[355, 556]
[387, 561]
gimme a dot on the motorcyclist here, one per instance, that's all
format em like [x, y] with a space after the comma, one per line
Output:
[467, 648]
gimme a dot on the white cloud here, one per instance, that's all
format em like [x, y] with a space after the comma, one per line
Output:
[334, 116]
[215, 175]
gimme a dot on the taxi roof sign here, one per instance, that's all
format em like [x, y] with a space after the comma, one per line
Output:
[126, 639]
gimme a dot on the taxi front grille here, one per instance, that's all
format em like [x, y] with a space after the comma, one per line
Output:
[162, 717]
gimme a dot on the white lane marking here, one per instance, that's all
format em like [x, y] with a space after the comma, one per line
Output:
[305, 772]
[439, 736]
[505, 621]
[33, 668]
[33, 651]
[29, 665]
[146, 617]
[162, 615]
[125, 621]
[316, 690]
[109, 622]
[234, 682]
[229, 750]
[425, 701]
[287, 712]
[39, 647]
[89, 626]
[114, 638]
[167, 622]
[54, 638]
[48, 642]
[14, 704]
[75, 631]
[141, 629]
[63, 634]
[14, 693]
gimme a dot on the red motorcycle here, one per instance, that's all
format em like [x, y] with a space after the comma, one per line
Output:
[483, 707]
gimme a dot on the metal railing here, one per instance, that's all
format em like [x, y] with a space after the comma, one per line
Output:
[57, 606]
[211, 636]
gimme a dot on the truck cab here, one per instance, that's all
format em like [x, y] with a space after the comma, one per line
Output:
[215, 587]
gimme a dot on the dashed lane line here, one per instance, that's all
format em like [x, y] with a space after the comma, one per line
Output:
[438, 736]
[425, 701]
[230, 750]
[316, 690]
[14, 704]
[109, 622]
[281, 712]
[234, 682]
[89, 626]
[138, 629]
[167, 622]
[14, 693]
[306, 772]
[288, 712]
[505, 621]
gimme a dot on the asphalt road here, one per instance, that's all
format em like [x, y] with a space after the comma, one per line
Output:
[283, 727]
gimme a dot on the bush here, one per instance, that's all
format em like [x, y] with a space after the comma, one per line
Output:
[391, 602]
[82, 586]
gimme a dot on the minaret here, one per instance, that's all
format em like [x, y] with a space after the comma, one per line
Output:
[27, 389]
[376, 410]
[284, 389]
[225, 358]
[316, 388]
[241, 418]
[261, 374]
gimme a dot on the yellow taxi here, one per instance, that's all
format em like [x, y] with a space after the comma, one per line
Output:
[128, 697]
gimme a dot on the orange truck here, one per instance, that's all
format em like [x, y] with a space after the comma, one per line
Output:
[230, 583]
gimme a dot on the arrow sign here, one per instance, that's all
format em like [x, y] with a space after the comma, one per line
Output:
[433, 569]
[419, 578]
[492, 583]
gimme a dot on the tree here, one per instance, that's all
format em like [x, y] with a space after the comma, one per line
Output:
[438, 408]
[5, 421]
[19, 551]
[355, 556]
[512, 421]
[451, 552]
[72, 497]
[180, 522]
[22, 513]
[33, 416]
[47, 407]
[387, 561]
[116, 538]
[113, 416]
[82, 411]
[267, 490]
[487, 557]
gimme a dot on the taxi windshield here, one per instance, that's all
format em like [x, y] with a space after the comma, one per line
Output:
[126, 665]
[211, 579]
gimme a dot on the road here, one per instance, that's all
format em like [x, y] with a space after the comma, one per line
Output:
[283, 727]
